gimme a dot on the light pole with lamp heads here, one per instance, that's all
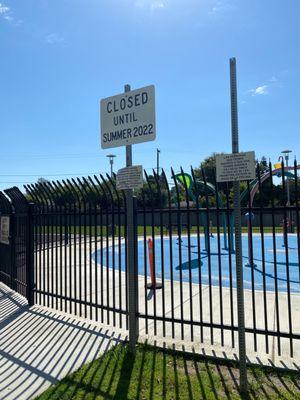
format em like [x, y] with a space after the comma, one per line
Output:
[111, 161]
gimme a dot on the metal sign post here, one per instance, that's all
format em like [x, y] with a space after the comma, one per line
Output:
[131, 278]
[126, 119]
[238, 235]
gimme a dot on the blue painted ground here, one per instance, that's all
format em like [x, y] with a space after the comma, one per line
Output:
[213, 265]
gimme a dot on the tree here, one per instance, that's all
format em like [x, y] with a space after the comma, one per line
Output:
[153, 193]
[209, 166]
[42, 180]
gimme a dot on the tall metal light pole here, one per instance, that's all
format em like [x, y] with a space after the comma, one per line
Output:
[157, 160]
[111, 161]
[288, 203]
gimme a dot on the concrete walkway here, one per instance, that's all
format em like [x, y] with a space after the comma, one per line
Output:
[38, 347]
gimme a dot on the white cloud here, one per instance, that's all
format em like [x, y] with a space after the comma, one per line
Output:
[6, 13]
[265, 88]
[3, 9]
[220, 6]
[157, 5]
[8, 18]
[260, 90]
[150, 4]
[54, 38]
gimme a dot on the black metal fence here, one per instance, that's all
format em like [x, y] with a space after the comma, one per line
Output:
[16, 256]
[68, 251]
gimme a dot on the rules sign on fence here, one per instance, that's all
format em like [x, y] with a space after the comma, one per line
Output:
[130, 178]
[128, 118]
[235, 167]
[4, 230]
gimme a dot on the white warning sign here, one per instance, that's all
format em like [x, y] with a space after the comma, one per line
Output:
[235, 167]
[128, 118]
[130, 178]
[4, 229]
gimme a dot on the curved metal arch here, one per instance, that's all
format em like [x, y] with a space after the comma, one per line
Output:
[186, 190]
[81, 197]
[74, 193]
[88, 184]
[17, 198]
[51, 192]
[34, 193]
[113, 184]
[56, 187]
[45, 194]
[103, 191]
[109, 191]
[150, 190]
[173, 176]
[163, 174]
[121, 191]
[84, 192]
[155, 175]
[265, 176]
[30, 192]
[5, 205]
[95, 188]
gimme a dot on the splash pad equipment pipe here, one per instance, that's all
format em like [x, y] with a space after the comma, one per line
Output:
[250, 218]
[153, 285]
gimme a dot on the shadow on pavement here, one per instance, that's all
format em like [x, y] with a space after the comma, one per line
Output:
[38, 347]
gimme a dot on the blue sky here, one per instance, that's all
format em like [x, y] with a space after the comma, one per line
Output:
[60, 57]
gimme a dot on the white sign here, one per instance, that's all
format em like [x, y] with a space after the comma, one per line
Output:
[235, 167]
[128, 118]
[4, 230]
[130, 178]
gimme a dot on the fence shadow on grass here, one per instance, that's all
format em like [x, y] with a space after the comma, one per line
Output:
[155, 373]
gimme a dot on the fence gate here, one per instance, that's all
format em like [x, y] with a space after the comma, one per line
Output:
[6, 254]
[16, 253]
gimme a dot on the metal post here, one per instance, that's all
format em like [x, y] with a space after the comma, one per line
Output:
[287, 182]
[288, 203]
[13, 251]
[157, 161]
[131, 275]
[238, 236]
[30, 256]
[290, 227]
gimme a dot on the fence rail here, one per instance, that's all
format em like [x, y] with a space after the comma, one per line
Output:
[68, 251]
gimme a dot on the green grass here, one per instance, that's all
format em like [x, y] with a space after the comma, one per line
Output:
[155, 374]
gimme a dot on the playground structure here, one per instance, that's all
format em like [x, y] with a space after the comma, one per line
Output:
[195, 187]
[255, 184]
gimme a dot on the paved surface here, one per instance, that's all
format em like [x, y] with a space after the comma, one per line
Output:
[39, 346]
